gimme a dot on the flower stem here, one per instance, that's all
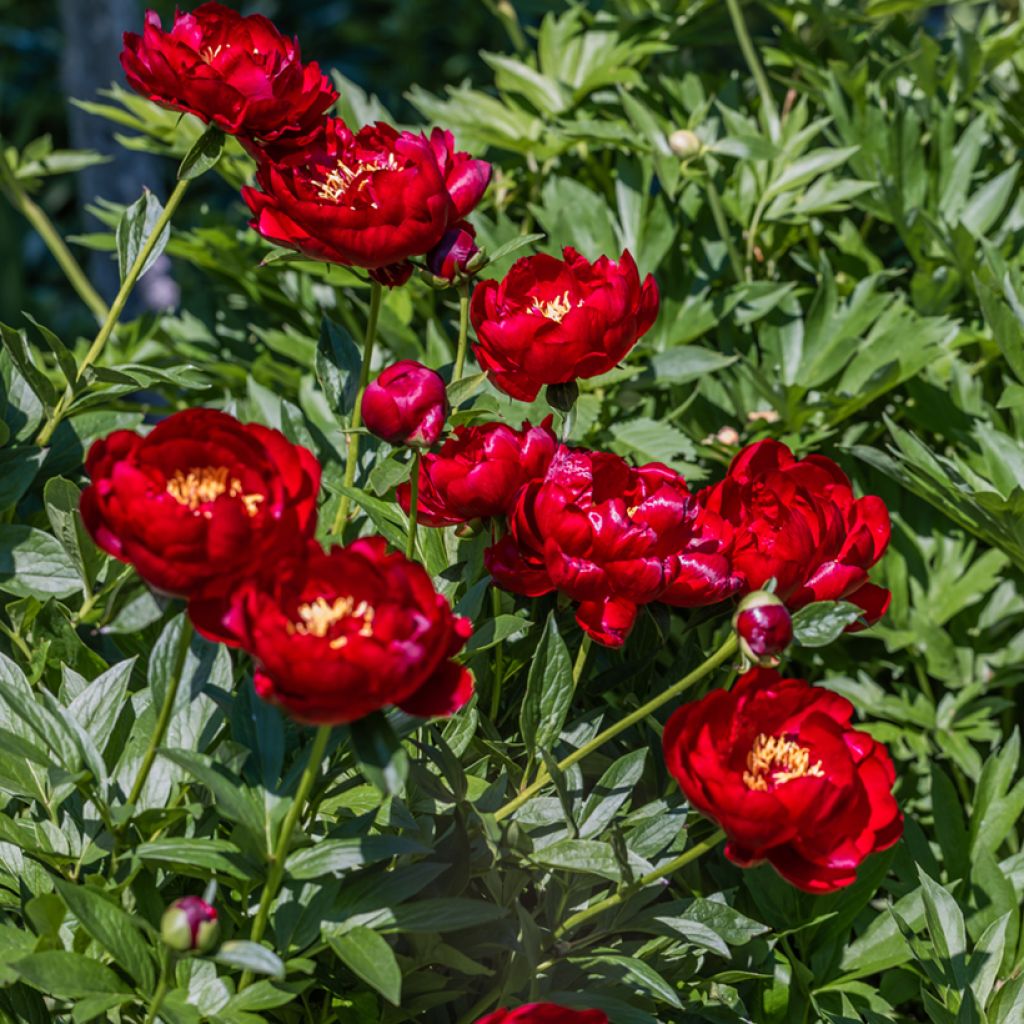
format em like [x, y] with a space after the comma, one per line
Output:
[612, 901]
[414, 504]
[280, 854]
[499, 659]
[36, 216]
[718, 215]
[162, 988]
[768, 107]
[460, 352]
[116, 309]
[726, 651]
[581, 660]
[352, 456]
[166, 711]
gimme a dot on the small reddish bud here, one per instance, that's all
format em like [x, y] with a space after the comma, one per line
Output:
[450, 258]
[764, 626]
[406, 404]
[190, 925]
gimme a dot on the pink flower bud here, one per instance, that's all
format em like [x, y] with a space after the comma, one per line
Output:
[190, 925]
[764, 626]
[406, 404]
[449, 258]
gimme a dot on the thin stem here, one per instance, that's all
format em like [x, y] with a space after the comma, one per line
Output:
[166, 711]
[116, 309]
[768, 106]
[460, 352]
[499, 659]
[718, 215]
[280, 854]
[414, 504]
[726, 651]
[162, 988]
[581, 660]
[352, 456]
[37, 217]
[614, 900]
[755, 223]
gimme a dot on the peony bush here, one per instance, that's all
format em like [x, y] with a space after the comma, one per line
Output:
[436, 619]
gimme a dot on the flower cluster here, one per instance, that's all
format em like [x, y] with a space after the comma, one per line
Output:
[223, 514]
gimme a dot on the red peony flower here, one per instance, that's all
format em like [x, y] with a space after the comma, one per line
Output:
[777, 764]
[797, 521]
[450, 257]
[200, 497]
[544, 1013]
[236, 72]
[406, 404]
[764, 627]
[551, 321]
[370, 199]
[610, 537]
[478, 472]
[336, 635]
[465, 178]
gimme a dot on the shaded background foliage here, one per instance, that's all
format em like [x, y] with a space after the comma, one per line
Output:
[853, 286]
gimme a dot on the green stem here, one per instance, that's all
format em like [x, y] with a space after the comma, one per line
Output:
[37, 217]
[460, 352]
[581, 660]
[414, 504]
[280, 854]
[768, 107]
[170, 699]
[499, 659]
[670, 868]
[162, 988]
[116, 309]
[723, 654]
[718, 215]
[755, 223]
[352, 456]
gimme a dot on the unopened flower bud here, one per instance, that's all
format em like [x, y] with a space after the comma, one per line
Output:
[563, 396]
[190, 925]
[764, 626]
[406, 404]
[685, 144]
[450, 258]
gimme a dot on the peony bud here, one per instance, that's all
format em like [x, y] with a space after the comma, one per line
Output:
[685, 144]
[764, 626]
[394, 275]
[189, 925]
[406, 404]
[450, 258]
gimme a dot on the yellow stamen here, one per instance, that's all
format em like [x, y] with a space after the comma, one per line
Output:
[342, 178]
[778, 761]
[554, 309]
[317, 618]
[204, 484]
[208, 53]
[632, 510]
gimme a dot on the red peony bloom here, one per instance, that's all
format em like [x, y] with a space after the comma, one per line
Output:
[777, 764]
[452, 254]
[336, 635]
[238, 73]
[406, 404]
[764, 627]
[610, 537]
[797, 520]
[551, 321]
[544, 1013]
[478, 472]
[465, 178]
[370, 199]
[200, 497]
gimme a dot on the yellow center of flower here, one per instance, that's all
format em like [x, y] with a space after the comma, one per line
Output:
[632, 510]
[317, 617]
[209, 53]
[777, 761]
[554, 309]
[346, 177]
[204, 484]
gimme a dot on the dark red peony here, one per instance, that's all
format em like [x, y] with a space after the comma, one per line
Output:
[479, 471]
[452, 255]
[236, 72]
[612, 538]
[370, 199]
[200, 497]
[797, 521]
[552, 321]
[778, 765]
[764, 627]
[544, 1013]
[336, 635]
[406, 404]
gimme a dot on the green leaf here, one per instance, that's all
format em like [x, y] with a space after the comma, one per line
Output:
[17, 348]
[584, 856]
[33, 564]
[134, 229]
[549, 688]
[62, 503]
[67, 975]
[204, 154]
[613, 789]
[511, 246]
[337, 856]
[18, 468]
[382, 758]
[450, 914]
[369, 957]
[112, 928]
[197, 857]
[252, 957]
[463, 390]
[97, 708]
[821, 623]
[338, 363]
[946, 928]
